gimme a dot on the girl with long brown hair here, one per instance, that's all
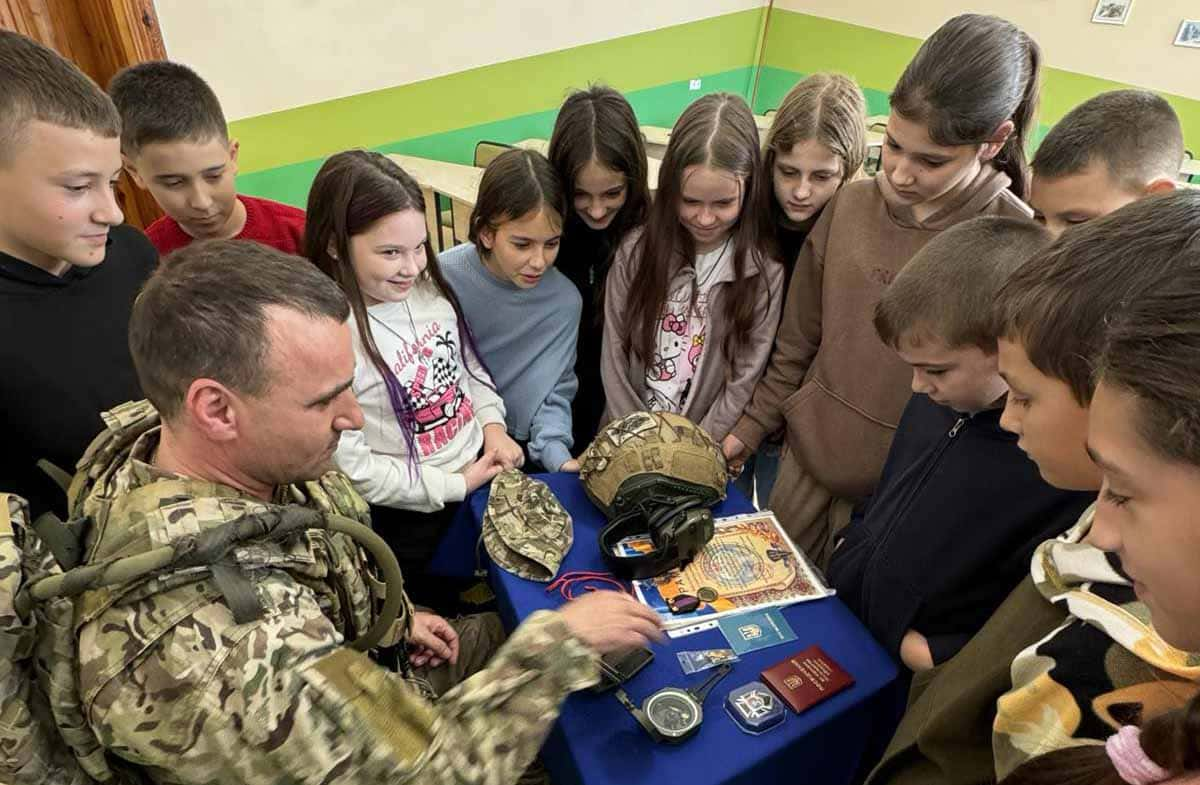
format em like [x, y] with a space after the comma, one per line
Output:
[429, 402]
[953, 151]
[693, 299]
[600, 157]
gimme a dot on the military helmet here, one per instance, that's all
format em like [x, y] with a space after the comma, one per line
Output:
[654, 472]
[651, 454]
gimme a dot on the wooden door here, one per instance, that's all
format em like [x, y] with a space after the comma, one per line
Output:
[101, 37]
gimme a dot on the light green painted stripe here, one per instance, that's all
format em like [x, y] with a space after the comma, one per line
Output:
[659, 105]
[801, 44]
[496, 92]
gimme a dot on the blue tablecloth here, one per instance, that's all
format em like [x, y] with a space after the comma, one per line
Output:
[597, 742]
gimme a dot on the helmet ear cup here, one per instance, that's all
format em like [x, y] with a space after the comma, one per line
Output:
[653, 474]
[678, 533]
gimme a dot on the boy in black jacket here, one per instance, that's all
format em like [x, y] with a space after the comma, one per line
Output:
[959, 508]
[69, 272]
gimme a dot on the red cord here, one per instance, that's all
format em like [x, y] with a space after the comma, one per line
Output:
[569, 582]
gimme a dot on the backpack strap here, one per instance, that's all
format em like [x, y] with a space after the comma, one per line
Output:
[64, 541]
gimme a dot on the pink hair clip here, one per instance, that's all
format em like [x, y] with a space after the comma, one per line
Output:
[1131, 762]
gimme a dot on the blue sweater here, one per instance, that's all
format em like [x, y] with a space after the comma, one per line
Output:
[527, 340]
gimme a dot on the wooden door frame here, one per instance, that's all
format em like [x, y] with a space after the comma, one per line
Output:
[101, 37]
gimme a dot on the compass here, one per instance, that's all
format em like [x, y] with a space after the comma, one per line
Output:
[673, 714]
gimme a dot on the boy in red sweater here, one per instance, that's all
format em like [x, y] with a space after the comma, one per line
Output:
[175, 144]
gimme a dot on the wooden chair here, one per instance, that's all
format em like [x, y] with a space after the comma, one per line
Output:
[441, 236]
[486, 152]
[460, 220]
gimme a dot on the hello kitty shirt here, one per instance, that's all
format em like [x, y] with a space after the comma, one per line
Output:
[694, 368]
[682, 328]
[453, 400]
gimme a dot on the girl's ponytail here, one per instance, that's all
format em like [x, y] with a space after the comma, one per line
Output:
[969, 77]
[1170, 742]
[1012, 159]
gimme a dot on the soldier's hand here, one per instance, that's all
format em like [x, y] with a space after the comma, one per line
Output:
[570, 466]
[495, 437]
[431, 641]
[611, 621]
[483, 470]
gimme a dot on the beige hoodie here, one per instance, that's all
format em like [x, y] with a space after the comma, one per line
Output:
[834, 385]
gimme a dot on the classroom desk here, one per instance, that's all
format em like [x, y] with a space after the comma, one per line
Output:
[460, 183]
[653, 164]
[457, 181]
[597, 742]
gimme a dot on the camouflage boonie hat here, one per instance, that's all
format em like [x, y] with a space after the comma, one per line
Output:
[525, 528]
[651, 448]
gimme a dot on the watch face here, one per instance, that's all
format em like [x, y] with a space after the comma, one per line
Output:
[673, 712]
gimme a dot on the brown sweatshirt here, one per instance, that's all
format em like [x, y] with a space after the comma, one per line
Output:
[831, 382]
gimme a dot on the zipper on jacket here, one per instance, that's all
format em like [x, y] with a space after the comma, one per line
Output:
[908, 502]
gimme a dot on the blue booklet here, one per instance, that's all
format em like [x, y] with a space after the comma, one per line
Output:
[755, 630]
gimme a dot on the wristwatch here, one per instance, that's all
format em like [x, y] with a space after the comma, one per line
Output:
[672, 714]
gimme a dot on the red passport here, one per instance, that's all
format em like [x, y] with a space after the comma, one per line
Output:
[806, 678]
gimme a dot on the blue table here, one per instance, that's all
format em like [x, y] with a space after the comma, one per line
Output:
[597, 742]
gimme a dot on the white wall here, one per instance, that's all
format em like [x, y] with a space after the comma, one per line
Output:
[263, 56]
[1140, 53]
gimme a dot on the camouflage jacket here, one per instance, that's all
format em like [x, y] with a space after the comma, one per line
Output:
[171, 683]
[1105, 666]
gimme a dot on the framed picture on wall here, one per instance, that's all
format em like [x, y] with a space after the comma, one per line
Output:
[1189, 34]
[1112, 12]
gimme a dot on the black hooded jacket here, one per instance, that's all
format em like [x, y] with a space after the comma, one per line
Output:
[949, 531]
[64, 358]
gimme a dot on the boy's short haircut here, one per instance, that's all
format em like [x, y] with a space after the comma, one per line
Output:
[946, 292]
[1135, 133]
[161, 101]
[37, 83]
[1057, 305]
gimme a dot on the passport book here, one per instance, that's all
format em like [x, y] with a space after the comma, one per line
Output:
[806, 678]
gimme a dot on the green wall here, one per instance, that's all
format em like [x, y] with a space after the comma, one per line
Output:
[443, 118]
[799, 44]
[506, 102]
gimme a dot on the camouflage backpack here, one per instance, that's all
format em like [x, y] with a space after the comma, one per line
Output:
[44, 738]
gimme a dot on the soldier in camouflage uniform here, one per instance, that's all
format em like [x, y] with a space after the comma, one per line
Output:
[246, 354]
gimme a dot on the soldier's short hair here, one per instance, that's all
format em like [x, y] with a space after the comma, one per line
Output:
[161, 101]
[1135, 134]
[203, 315]
[946, 292]
[36, 83]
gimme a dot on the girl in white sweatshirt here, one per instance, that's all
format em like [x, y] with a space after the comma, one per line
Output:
[429, 403]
